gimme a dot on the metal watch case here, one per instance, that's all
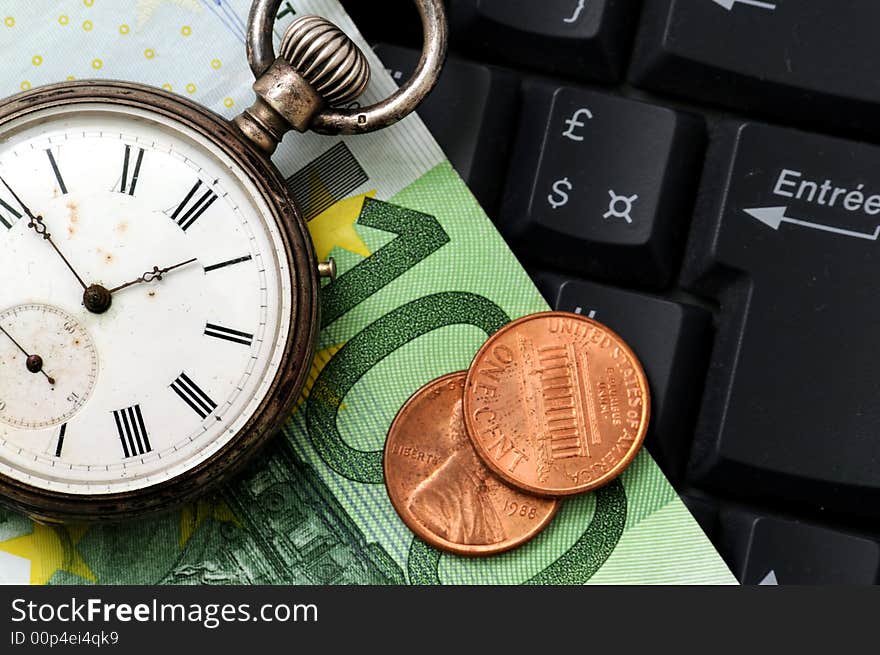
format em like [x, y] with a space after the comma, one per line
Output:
[299, 350]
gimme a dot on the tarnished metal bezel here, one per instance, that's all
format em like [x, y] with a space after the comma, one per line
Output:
[50, 506]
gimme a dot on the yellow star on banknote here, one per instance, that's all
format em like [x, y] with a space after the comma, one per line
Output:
[322, 358]
[192, 516]
[50, 550]
[334, 227]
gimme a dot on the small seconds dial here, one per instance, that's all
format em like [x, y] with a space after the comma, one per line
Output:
[146, 299]
[48, 366]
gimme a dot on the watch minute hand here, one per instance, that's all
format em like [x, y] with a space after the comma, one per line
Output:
[37, 225]
[155, 274]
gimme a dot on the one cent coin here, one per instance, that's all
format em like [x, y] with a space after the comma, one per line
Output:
[441, 488]
[556, 404]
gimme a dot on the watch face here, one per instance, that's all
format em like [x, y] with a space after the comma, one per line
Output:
[143, 208]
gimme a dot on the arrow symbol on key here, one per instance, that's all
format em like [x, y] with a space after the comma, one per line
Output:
[769, 579]
[775, 216]
[729, 4]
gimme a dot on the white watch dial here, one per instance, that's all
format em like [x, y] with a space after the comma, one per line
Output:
[102, 403]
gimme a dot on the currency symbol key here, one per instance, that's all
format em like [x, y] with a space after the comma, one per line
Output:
[601, 185]
[575, 123]
[561, 193]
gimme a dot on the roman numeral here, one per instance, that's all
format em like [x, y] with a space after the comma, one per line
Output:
[8, 214]
[193, 396]
[132, 431]
[231, 262]
[128, 186]
[220, 332]
[55, 170]
[191, 210]
[61, 434]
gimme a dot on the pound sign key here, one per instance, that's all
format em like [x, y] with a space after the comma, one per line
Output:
[575, 122]
[559, 197]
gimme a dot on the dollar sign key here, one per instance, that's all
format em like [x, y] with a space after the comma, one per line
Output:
[559, 197]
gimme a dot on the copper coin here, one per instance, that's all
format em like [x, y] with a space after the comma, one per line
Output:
[556, 404]
[441, 488]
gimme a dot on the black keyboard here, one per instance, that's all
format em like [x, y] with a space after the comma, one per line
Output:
[704, 177]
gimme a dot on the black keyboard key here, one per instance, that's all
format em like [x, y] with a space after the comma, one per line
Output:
[769, 550]
[670, 339]
[704, 510]
[472, 114]
[785, 239]
[399, 23]
[600, 185]
[582, 39]
[789, 59]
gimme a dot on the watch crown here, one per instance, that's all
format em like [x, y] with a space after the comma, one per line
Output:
[318, 66]
[327, 58]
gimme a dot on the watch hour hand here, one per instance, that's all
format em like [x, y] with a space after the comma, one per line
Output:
[155, 274]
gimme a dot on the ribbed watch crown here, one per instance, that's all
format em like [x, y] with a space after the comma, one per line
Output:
[328, 60]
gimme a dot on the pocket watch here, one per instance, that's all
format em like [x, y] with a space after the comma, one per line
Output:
[159, 294]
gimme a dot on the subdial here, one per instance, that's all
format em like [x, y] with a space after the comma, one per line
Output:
[48, 366]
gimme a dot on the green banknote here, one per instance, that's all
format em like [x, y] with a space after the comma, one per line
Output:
[425, 278]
